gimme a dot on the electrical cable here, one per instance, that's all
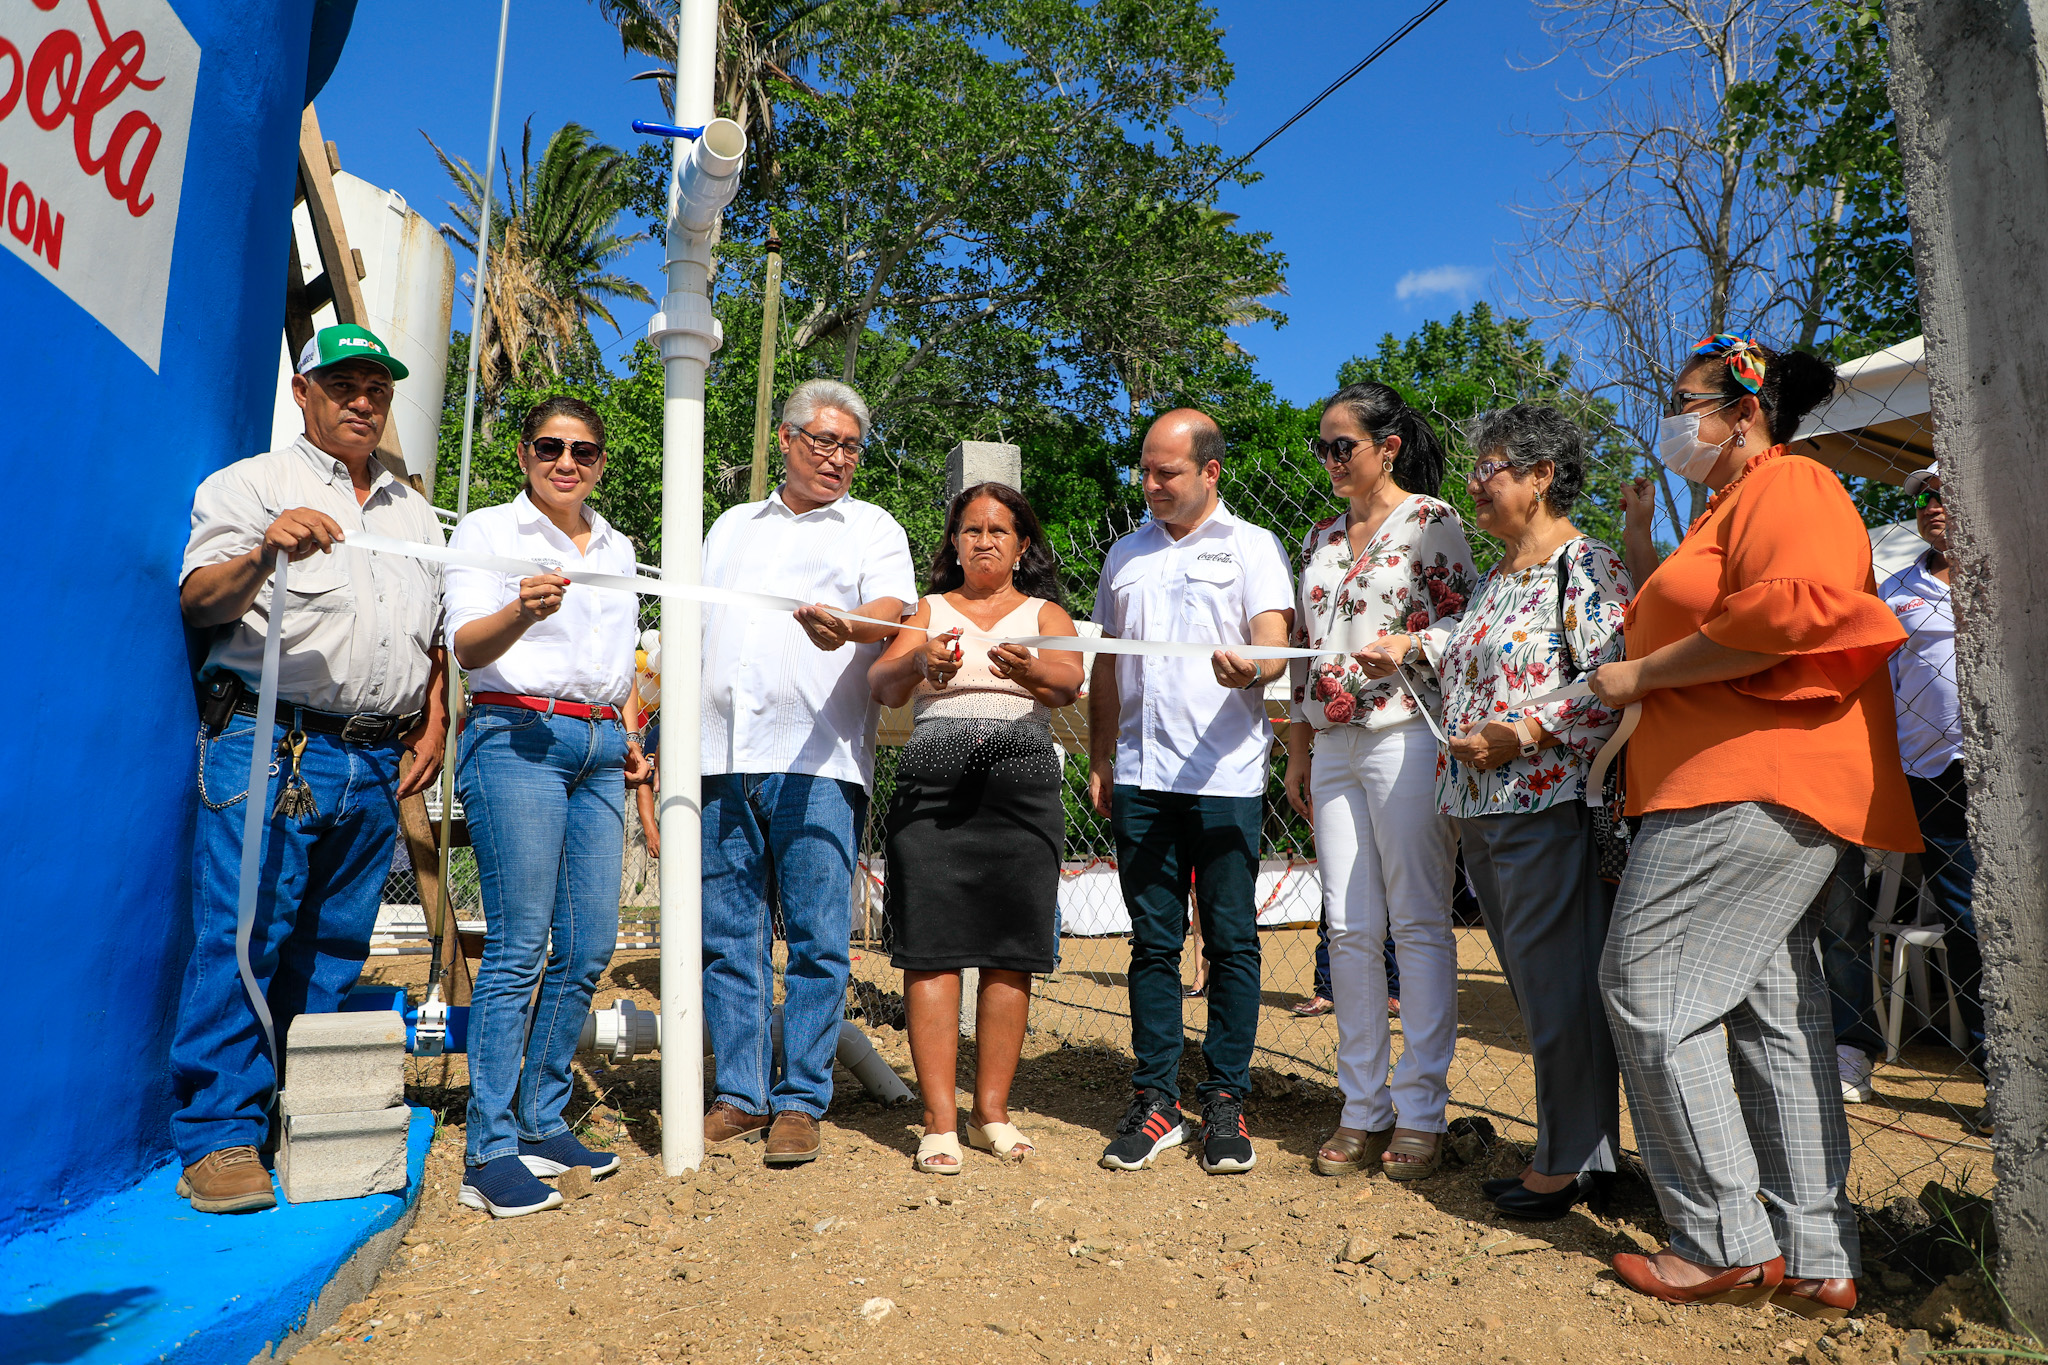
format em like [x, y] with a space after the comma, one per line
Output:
[1332, 88]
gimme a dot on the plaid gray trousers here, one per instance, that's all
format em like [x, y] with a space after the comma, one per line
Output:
[1714, 930]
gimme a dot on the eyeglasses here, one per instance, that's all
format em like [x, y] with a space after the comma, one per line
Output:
[550, 448]
[1486, 469]
[1685, 398]
[1338, 451]
[1930, 497]
[828, 446]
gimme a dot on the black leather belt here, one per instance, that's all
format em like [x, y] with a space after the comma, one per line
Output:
[368, 728]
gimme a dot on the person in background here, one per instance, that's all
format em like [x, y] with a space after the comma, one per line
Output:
[1515, 775]
[1931, 745]
[361, 722]
[977, 827]
[788, 756]
[542, 768]
[1361, 766]
[643, 726]
[1319, 1003]
[1767, 744]
[1177, 759]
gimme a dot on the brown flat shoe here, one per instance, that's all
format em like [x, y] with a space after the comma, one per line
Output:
[1816, 1298]
[793, 1139]
[231, 1180]
[726, 1122]
[1639, 1273]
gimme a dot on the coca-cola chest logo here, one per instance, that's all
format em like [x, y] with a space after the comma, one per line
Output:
[95, 109]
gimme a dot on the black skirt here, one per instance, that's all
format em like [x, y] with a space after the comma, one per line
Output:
[974, 838]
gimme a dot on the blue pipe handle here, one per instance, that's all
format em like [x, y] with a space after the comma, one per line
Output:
[641, 125]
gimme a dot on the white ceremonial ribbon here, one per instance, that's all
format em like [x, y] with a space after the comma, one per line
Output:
[262, 748]
[1401, 671]
[757, 601]
[1631, 716]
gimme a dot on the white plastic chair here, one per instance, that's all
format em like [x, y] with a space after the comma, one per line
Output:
[1910, 944]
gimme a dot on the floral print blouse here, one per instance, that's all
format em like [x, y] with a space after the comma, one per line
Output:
[1504, 650]
[1416, 569]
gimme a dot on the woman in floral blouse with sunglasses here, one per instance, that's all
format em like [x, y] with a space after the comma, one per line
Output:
[1396, 560]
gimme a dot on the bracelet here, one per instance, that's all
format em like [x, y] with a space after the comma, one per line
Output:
[1258, 679]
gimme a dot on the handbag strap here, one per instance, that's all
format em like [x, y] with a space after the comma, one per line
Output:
[1572, 671]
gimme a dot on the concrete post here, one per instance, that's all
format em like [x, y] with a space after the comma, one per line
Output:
[1968, 84]
[973, 462]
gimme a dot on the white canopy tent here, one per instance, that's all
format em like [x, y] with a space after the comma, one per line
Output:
[1877, 426]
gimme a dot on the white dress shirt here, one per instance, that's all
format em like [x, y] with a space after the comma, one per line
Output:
[357, 626]
[584, 652]
[1924, 670]
[773, 701]
[1179, 730]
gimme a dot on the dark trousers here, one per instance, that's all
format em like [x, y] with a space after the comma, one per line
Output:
[1164, 840]
[1950, 866]
[1846, 911]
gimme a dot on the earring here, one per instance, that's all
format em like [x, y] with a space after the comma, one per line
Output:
[1741, 439]
[1386, 466]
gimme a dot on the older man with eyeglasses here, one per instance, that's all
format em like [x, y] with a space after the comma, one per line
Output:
[788, 756]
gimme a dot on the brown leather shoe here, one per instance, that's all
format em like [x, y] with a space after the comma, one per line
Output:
[793, 1139]
[1816, 1298]
[726, 1122]
[231, 1180]
[1732, 1285]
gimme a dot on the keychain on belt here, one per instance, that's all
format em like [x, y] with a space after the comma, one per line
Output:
[295, 798]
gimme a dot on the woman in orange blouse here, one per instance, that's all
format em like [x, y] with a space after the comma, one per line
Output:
[1767, 744]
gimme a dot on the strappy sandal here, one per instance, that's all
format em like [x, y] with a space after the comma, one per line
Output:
[1005, 1140]
[1361, 1147]
[1426, 1151]
[934, 1145]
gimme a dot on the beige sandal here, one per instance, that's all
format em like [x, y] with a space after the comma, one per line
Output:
[1426, 1151]
[934, 1145]
[1361, 1148]
[1005, 1140]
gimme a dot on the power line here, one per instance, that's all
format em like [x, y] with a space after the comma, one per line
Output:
[1332, 88]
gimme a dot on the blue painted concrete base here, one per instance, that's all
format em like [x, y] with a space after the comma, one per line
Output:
[140, 1277]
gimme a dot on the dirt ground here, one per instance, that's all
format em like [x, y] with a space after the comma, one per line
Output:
[858, 1257]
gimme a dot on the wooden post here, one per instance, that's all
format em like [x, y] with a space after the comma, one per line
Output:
[764, 386]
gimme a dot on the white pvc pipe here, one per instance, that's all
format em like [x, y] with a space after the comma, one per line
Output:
[684, 359]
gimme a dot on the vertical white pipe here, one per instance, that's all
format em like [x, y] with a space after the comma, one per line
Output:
[682, 548]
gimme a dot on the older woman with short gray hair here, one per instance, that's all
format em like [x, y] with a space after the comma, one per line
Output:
[1515, 780]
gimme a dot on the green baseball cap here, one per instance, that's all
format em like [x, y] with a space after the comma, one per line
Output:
[332, 345]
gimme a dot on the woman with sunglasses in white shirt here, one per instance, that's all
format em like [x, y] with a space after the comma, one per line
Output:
[542, 769]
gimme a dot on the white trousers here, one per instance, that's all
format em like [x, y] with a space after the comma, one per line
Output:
[1387, 859]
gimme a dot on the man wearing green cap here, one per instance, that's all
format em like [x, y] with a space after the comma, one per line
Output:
[361, 684]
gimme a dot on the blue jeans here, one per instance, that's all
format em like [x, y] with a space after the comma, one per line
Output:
[1950, 866]
[546, 798]
[1846, 911]
[1163, 841]
[316, 905]
[792, 838]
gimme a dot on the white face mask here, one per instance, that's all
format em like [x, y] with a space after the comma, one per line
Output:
[1683, 452]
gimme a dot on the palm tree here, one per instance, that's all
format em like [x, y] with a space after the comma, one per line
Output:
[553, 245]
[762, 45]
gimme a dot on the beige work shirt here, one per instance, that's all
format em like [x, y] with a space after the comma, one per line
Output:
[357, 626]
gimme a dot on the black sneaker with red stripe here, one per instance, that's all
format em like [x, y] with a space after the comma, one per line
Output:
[1152, 1124]
[1226, 1143]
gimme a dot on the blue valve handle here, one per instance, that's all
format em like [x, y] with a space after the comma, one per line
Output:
[641, 125]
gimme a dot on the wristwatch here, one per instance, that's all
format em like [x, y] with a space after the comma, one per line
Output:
[1532, 738]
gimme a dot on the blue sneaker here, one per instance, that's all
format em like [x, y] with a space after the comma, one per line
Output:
[504, 1188]
[563, 1152]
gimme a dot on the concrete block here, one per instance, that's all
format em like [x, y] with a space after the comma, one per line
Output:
[342, 1156]
[344, 1063]
[973, 462]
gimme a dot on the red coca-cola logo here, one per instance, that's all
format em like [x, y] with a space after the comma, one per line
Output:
[56, 83]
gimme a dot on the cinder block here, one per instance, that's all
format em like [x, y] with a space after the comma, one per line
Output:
[342, 1156]
[973, 462]
[344, 1063]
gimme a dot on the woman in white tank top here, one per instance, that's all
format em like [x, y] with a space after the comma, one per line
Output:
[976, 827]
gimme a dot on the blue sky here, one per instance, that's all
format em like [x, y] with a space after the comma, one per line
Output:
[1390, 201]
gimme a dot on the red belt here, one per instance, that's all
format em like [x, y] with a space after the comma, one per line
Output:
[575, 710]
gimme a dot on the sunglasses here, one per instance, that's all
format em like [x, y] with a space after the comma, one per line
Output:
[1930, 497]
[1685, 398]
[1338, 451]
[1486, 469]
[550, 448]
